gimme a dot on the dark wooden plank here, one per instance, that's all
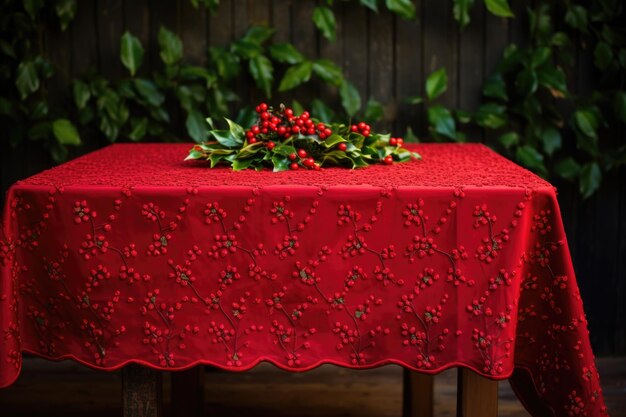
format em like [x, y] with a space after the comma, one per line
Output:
[477, 396]
[258, 15]
[471, 65]
[355, 46]
[409, 74]
[418, 394]
[334, 52]
[110, 28]
[141, 392]
[381, 76]
[220, 24]
[188, 392]
[85, 41]
[441, 45]
[281, 20]
[304, 37]
[193, 31]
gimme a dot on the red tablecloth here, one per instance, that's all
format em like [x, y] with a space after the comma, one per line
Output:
[129, 254]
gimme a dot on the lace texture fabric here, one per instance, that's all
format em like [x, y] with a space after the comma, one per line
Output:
[129, 254]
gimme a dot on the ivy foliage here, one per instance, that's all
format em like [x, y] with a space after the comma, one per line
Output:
[531, 109]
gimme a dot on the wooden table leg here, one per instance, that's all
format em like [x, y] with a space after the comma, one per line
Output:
[476, 396]
[188, 392]
[141, 391]
[418, 394]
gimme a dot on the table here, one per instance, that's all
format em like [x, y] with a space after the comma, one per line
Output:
[130, 255]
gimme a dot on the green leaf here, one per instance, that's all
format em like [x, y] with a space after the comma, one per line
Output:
[324, 20]
[509, 139]
[410, 136]
[171, 46]
[403, 8]
[442, 121]
[603, 55]
[436, 84]
[370, 4]
[551, 139]
[527, 82]
[26, 81]
[374, 111]
[131, 52]
[567, 168]
[262, 71]
[296, 75]
[554, 80]
[82, 94]
[196, 126]
[491, 115]
[350, 98]
[65, 10]
[322, 111]
[499, 8]
[540, 56]
[619, 105]
[33, 7]
[576, 17]
[139, 128]
[259, 34]
[227, 64]
[297, 107]
[495, 87]
[236, 130]
[241, 164]
[149, 91]
[461, 11]
[590, 179]
[65, 132]
[587, 122]
[286, 53]
[328, 71]
[530, 158]
[280, 163]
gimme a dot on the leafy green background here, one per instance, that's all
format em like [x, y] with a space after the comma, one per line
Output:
[550, 94]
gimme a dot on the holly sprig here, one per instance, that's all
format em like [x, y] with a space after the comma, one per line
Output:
[281, 140]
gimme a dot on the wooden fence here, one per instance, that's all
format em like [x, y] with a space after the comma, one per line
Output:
[387, 58]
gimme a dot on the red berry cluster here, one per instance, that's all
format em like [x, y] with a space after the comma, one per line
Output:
[362, 128]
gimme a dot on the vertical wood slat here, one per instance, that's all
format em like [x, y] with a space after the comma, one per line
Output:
[476, 396]
[304, 38]
[408, 71]
[355, 47]
[110, 29]
[141, 391]
[418, 394]
[188, 392]
[381, 77]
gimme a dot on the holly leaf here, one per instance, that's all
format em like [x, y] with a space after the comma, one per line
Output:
[280, 163]
[531, 158]
[374, 111]
[603, 55]
[499, 8]
[590, 179]
[236, 130]
[171, 46]
[196, 126]
[65, 10]
[286, 53]
[322, 112]
[350, 98]
[139, 128]
[495, 87]
[131, 52]
[587, 123]
[436, 84]
[262, 71]
[65, 132]
[509, 139]
[403, 8]
[324, 20]
[576, 17]
[527, 82]
[259, 34]
[491, 115]
[296, 75]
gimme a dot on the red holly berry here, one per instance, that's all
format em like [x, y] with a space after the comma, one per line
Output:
[292, 156]
[270, 145]
[293, 166]
[393, 141]
[309, 162]
[342, 146]
[252, 140]
[263, 106]
[255, 130]
[388, 160]
[301, 153]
